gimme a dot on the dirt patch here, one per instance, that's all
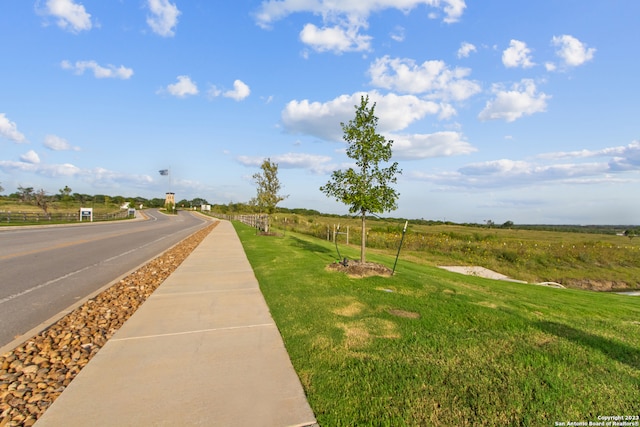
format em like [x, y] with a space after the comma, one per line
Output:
[359, 270]
[597, 285]
[587, 284]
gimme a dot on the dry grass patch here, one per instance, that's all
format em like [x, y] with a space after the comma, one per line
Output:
[361, 333]
[403, 313]
[487, 304]
[350, 310]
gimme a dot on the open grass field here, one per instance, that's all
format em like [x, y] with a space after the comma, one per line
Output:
[57, 207]
[430, 347]
[18, 214]
[578, 260]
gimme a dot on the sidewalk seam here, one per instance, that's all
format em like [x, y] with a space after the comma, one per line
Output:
[201, 331]
[217, 291]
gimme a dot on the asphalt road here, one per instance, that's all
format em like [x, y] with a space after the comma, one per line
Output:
[43, 271]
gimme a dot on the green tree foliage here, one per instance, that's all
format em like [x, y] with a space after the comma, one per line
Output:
[268, 187]
[65, 195]
[25, 194]
[198, 201]
[365, 189]
[156, 202]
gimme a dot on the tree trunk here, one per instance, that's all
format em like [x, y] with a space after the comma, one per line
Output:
[363, 243]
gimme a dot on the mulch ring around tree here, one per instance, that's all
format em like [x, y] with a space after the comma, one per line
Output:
[356, 269]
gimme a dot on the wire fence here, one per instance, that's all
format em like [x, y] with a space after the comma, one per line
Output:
[259, 221]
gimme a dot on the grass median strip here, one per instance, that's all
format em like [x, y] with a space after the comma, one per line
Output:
[431, 347]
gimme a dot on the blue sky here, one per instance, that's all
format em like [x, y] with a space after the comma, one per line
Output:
[499, 109]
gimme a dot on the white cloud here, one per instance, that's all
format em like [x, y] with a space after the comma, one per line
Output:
[53, 170]
[510, 105]
[99, 72]
[274, 10]
[71, 16]
[315, 163]
[335, 39]
[465, 50]
[627, 159]
[96, 177]
[572, 51]
[240, 91]
[30, 157]
[548, 168]
[515, 173]
[343, 20]
[101, 177]
[434, 78]
[184, 87]
[163, 18]
[423, 146]
[9, 130]
[398, 34]
[622, 158]
[323, 120]
[517, 55]
[55, 143]
[213, 92]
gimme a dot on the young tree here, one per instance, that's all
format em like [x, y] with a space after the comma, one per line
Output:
[268, 187]
[42, 200]
[65, 195]
[365, 189]
[25, 193]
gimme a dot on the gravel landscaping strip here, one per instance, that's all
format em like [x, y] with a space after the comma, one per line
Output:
[35, 373]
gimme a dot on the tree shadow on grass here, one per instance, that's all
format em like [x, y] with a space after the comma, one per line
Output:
[310, 246]
[612, 349]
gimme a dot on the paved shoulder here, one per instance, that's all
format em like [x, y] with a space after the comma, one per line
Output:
[202, 350]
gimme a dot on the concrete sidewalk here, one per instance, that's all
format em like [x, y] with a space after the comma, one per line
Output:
[202, 350]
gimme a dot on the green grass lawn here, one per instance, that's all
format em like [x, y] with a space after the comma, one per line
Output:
[430, 347]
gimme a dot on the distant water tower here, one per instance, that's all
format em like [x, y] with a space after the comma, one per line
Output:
[170, 199]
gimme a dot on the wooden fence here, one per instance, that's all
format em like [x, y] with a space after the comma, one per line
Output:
[41, 217]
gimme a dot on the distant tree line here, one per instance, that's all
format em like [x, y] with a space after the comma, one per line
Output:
[65, 197]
